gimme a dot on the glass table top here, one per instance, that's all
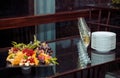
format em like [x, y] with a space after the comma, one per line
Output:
[67, 53]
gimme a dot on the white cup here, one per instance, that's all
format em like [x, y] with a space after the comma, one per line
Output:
[103, 41]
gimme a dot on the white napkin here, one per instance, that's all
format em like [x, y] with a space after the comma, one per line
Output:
[103, 41]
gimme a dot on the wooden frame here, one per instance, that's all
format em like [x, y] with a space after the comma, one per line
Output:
[42, 19]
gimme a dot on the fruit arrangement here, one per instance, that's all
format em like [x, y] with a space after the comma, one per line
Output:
[33, 54]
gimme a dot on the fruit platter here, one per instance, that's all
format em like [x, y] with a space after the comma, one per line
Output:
[35, 53]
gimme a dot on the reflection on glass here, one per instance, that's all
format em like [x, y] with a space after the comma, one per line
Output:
[99, 58]
[84, 42]
[84, 32]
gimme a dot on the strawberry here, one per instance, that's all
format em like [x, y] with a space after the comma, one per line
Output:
[29, 52]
